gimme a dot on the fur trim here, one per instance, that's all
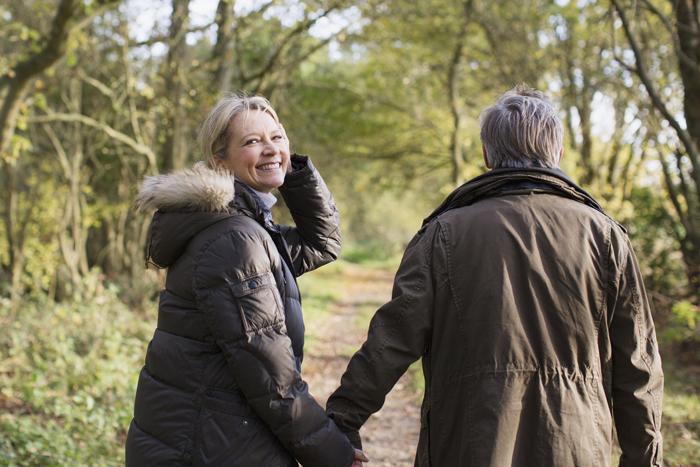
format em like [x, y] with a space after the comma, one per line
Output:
[198, 188]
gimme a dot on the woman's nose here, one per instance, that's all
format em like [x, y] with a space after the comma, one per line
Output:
[270, 148]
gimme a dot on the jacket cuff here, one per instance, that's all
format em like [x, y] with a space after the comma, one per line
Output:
[353, 435]
[355, 439]
[325, 448]
[302, 169]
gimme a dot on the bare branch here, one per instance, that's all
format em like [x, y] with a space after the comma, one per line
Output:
[299, 59]
[664, 19]
[58, 147]
[108, 130]
[673, 192]
[256, 14]
[683, 185]
[653, 94]
[165, 38]
[685, 58]
[129, 85]
[286, 40]
[100, 86]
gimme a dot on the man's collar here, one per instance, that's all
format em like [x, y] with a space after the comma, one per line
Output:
[493, 182]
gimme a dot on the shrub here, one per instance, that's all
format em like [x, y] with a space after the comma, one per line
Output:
[68, 375]
[682, 324]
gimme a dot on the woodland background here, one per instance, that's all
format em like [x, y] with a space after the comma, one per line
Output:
[384, 94]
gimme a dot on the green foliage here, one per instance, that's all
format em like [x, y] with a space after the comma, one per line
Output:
[381, 225]
[681, 413]
[651, 231]
[68, 377]
[682, 324]
[319, 292]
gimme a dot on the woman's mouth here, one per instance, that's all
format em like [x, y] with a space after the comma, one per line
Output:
[269, 166]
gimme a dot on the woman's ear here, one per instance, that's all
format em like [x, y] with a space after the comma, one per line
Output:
[217, 162]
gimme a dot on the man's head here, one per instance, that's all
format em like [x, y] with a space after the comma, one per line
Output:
[522, 129]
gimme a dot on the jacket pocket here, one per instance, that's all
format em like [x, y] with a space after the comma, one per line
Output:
[235, 441]
[231, 435]
[258, 301]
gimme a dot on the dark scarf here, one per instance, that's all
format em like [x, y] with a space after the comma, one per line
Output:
[501, 181]
[247, 199]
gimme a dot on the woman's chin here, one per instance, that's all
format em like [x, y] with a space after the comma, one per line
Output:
[269, 182]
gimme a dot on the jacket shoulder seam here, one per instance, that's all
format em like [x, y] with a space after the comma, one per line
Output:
[204, 249]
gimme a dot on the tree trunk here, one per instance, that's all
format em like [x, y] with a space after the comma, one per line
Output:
[454, 97]
[688, 33]
[222, 54]
[174, 153]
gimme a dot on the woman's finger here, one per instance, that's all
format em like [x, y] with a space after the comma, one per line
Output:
[361, 456]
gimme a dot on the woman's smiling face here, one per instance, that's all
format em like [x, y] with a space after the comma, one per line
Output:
[258, 150]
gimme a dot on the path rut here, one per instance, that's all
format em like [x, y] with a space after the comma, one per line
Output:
[390, 436]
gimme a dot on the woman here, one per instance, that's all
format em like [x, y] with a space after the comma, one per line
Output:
[221, 385]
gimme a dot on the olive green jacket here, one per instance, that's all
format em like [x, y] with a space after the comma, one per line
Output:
[526, 304]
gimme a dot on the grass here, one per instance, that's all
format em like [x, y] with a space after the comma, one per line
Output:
[681, 416]
[319, 290]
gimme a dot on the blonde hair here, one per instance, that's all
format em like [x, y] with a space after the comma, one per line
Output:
[522, 129]
[214, 132]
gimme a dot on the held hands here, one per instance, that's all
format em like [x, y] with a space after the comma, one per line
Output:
[360, 457]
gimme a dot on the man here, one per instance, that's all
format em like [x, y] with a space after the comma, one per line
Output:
[526, 303]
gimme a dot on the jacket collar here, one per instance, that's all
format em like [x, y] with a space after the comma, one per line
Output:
[196, 189]
[499, 181]
[186, 202]
[248, 202]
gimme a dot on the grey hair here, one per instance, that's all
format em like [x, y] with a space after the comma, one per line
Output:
[214, 133]
[522, 129]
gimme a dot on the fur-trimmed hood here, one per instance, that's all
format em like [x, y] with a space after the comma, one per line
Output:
[186, 202]
[199, 189]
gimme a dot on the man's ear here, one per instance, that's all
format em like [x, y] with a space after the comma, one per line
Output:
[486, 159]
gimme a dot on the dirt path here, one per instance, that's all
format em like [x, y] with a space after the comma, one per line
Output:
[390, 436]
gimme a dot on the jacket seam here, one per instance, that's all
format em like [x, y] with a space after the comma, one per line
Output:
[180, 297]
[601, 313]
[450, 282]
[576, 375]
[159, 440]
[202, 251]
[471, 429]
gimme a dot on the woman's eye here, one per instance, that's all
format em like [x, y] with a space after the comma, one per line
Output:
[277, 137]
[251, 141]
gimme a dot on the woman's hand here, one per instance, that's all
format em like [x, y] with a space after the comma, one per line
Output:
[360, 457]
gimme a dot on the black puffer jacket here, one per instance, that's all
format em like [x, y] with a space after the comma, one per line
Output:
[221, 385]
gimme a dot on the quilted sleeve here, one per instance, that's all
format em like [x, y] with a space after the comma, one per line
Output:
[236, 291]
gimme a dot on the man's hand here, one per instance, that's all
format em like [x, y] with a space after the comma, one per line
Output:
[360, 457]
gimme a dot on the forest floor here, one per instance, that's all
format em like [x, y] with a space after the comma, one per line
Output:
[390, 436]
